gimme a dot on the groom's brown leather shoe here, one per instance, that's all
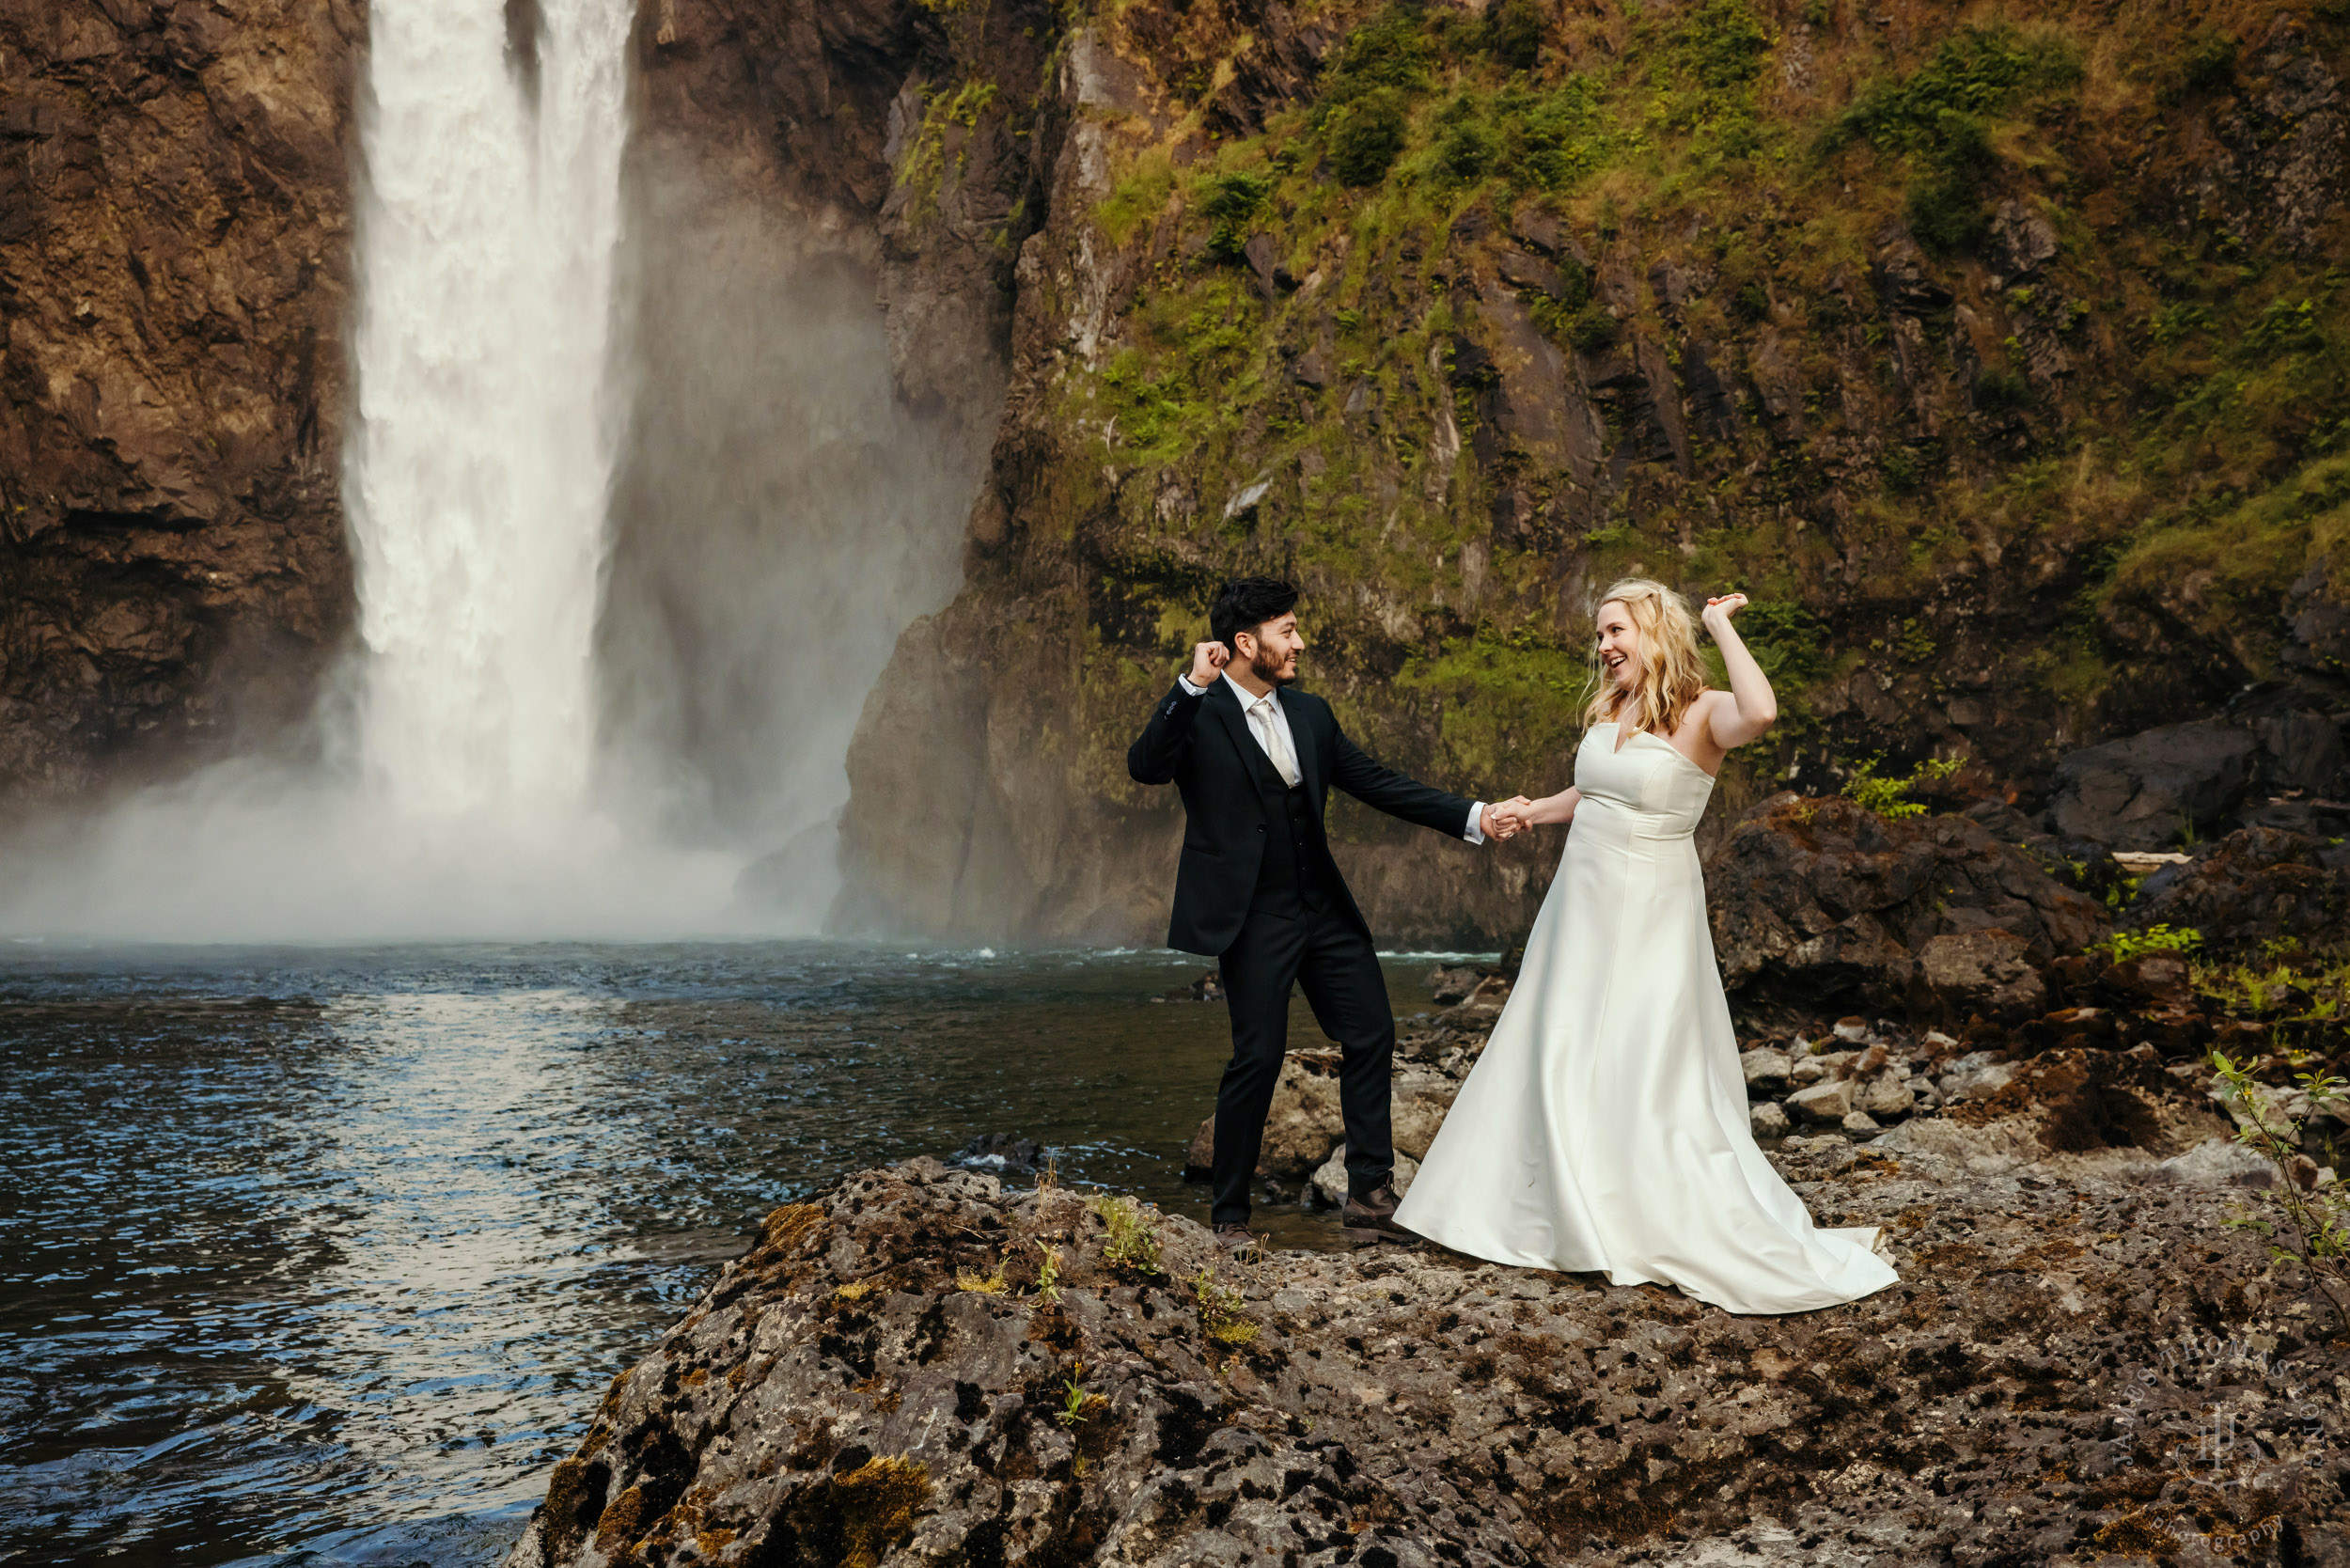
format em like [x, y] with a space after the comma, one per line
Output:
[1235, 1238]
[1371, 1219]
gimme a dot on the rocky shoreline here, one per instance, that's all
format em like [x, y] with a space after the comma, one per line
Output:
[2084, 1360]
[894, 1373]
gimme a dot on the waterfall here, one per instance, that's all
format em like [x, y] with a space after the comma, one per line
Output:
[708, 419]
[483, 463]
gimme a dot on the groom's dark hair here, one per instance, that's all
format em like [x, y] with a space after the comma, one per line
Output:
[1246, 604]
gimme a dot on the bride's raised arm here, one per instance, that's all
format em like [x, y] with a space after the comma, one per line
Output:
[1751, 709]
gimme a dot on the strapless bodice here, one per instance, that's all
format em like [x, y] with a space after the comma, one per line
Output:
[1648, 778]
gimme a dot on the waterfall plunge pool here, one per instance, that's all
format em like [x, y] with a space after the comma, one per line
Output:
[325, 1256]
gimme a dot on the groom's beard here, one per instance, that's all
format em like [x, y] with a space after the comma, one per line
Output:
[1271, 672]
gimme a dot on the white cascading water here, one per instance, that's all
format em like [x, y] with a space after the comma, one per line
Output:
[483, 463]
[803, 516]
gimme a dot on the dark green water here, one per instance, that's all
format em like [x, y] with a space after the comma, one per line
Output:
[324, 1256]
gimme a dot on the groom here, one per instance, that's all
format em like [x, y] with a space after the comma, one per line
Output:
[1257, 889]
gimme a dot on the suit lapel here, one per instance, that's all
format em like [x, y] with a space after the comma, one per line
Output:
[1225, 703]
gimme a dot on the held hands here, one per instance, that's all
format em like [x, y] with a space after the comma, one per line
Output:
[1208, 660]
[1718, 611]
[1506, 818]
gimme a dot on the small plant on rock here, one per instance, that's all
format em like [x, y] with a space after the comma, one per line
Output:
[1220, 1312]
[983, 1284]
[1134, 1241]
[2309, 1226]
[1074, 1400]
[1048, 1276]
[1889, 797]
[2122, 946]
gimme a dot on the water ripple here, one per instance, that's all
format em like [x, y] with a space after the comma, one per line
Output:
[324, 1256]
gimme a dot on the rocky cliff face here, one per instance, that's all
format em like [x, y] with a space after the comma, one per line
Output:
[2001, 362]
[175, 248]
[174, 275]
[1996, 360]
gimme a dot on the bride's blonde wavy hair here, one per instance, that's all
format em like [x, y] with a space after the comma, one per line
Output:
[1671, 675]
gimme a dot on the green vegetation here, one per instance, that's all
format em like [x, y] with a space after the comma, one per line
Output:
[1889, 797]
[925, 165]
[2295, 995]
[1221, 1311]
[2307, 1228]
[1938, 116]
[1232, 200]
[2122, 946]
[2162, 399]
[991, 1283]
[1048, 1275]
[1076, 1405]
[1133, 1240]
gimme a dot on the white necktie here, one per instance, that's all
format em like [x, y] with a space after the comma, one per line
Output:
[1272, 735]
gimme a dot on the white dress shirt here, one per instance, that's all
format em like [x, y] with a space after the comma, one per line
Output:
[1270, 724]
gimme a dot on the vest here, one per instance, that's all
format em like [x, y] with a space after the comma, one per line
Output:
[1290, 879]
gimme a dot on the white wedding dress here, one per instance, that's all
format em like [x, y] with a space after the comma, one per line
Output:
[1605, 1129]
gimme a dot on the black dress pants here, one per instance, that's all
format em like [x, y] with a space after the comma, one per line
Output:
[1333, 962]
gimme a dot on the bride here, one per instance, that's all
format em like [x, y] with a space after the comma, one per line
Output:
[1605, 1126]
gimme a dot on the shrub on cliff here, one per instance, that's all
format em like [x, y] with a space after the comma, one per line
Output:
[1938, 114]
[1391, 49]
[1366, 135]
[1514, 34]
[1234, 199]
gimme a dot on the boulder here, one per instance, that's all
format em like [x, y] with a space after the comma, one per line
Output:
[2073, 1028]
[1825, 1104]
[1421, 1097]
[1448, 984]
[2150, 979]
[2221, 1162]
[1817, 903]
[1305, 1119]
[1301, 1124]
[2257, 884]
[1328, 1185]
[1208, 987]
[1485, 999]
[1859, 1125]
[1885, 1096]
[2147, 790]
[1766, 1073]
[1975, 1077]
[1768, 1120]
[1810, 1067]
[1988, 972]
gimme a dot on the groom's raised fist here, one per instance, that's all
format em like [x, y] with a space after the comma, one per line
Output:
[1208, 660]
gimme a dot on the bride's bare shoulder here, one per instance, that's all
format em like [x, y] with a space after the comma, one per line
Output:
[1700, 712]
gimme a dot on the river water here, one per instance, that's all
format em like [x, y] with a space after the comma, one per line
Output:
[325, 1256]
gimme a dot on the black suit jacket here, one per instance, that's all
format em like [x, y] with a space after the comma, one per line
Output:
[1203, 746]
